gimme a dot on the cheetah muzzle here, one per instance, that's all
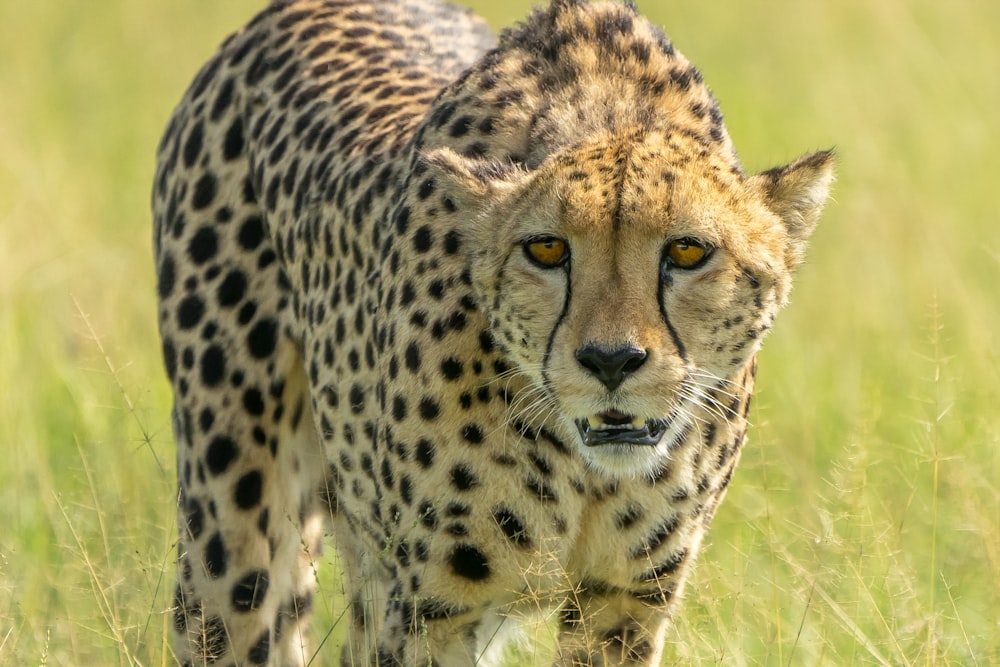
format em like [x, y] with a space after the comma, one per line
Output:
[486, 310]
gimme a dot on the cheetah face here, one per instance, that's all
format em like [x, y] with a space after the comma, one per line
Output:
[629, 281]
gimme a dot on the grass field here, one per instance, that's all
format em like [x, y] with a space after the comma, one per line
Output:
[863, 526]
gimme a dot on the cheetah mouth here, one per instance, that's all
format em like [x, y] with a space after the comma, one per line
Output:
[614, 427]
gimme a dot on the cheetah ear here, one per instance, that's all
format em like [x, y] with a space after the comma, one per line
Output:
[797, 192]
[472, 183]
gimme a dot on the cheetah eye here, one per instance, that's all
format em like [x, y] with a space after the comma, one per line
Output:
[547, 252]
[687, 253]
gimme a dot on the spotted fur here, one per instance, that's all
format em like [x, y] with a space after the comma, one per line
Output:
[360, 339]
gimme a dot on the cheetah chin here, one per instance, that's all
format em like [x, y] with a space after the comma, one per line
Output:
[621, 446]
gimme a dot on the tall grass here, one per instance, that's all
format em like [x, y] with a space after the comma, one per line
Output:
[863, 526]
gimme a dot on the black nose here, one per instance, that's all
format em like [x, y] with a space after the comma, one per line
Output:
[611, 367]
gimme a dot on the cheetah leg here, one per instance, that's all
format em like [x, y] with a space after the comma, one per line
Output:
[408, 640]
[610, 629]
[250, 517]
[365, 588]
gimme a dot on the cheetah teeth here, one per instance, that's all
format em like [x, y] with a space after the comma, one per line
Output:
[619, 428]
[596, 422]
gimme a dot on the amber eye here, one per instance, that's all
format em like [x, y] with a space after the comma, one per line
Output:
[547, 252]
[687, 253]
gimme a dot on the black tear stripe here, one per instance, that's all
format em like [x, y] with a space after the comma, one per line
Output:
[678, 343]
[681, 350]
[555, 328]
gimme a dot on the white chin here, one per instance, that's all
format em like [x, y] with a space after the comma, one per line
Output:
[622, 461]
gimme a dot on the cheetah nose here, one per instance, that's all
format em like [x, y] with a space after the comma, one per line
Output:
[611, 367]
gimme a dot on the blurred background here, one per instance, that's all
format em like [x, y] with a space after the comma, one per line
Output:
[863, 526]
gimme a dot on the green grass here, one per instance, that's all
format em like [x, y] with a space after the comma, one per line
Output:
[863, 526]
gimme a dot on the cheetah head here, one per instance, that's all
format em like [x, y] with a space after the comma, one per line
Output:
[628, 277]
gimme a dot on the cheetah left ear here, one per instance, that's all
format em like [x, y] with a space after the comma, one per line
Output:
[797, 193]
[471, 183]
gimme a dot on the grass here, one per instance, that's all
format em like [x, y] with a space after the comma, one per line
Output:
[863, 526]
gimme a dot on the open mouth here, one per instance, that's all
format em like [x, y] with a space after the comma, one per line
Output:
[614, 427]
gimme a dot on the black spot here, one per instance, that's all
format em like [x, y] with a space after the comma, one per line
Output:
[170, 358]
[428, 515]
[429, 408]
[190, 312]
[426, 189]
[399, 408]
[457, 529]
[655, 539]
[486, 341]
[253, 401]
[192, 147]
[451, 368]
[357, 399]
[469, 562]
[413, 357]
[425, 453]
[261, 649]
[180, 612]
[423, 239]
[680, 78]
[461, 126]
[251, 232]
[462, 477]
[263, 520]
[215, 556]
[512, 526]
[195, 517]
[541, 464]
[212, 639]
[452, 242]
[664, 569]
[204, 192]
[407, 294]
[223, 99]
[232, 146]
[248, 593]
[540, 490]
[403, 220]
[443, 114]
[387, 476]
[206, 419]
[232, 288]
[221, 453]
[248, 490]
[167, 276]
[458, 509]
[246, 313]
[263, 338]
[213, 366]
[472, 433]
[626, 518]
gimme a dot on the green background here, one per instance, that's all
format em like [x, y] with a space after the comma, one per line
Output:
[863, 526]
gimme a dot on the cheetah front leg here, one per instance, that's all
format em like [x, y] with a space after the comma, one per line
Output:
[251, 520]
[601, 628]
[412, 639]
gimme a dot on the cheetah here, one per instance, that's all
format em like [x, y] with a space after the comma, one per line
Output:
[487, 310]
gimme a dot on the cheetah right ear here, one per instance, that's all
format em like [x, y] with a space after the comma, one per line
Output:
[472, 183]
[797, 192]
